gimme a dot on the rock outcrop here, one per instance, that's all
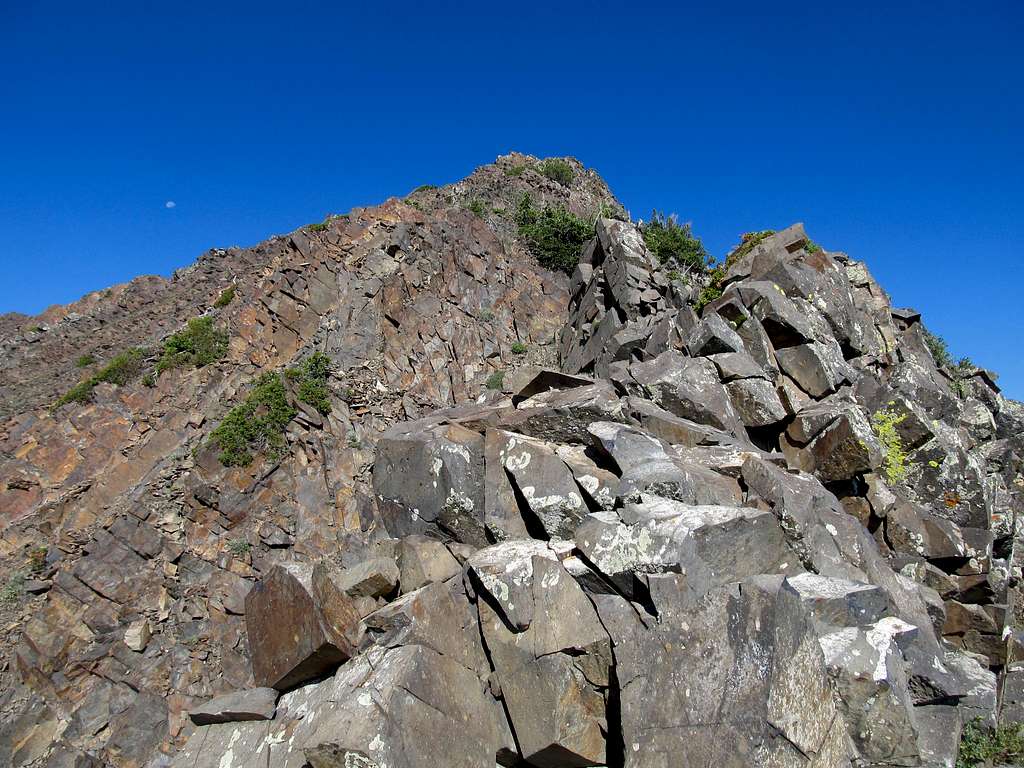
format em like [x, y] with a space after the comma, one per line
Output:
[771, 532]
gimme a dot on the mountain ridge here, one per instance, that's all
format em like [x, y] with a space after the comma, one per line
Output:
[429, 413]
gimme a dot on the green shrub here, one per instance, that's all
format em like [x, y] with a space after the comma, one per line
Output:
[748, 241]
[884, 423]
[981, 745]
[558, 170]
[321, 226]
[225, 298]
[119, 371]
[423, 188]
[85, 361]
[610, 211]
[476, 207]
[518, 348]
[964, 367]
[937, 346]
[37, 560]
[811, 247]
[553, 235]
[239, 547]
[312, 375]
[149, 380]
[258, 424]
[123, 368]
[496, 380]
[673, 243]
[716, 278]
[198, 345]
[711, 291]
[515, 170]
[13, 588]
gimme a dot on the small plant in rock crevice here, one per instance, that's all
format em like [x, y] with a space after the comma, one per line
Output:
[84, 361]
[674, 243]
[518, 348]
[982, 746]
[239, 547]
[199, 344]
[260, 421]
[884, 423]
[557, 170]
[554, 235]
[711, 291]
[257, 424]
[225, 298]
[311, 376]
[122, 369]
[36, 560]
[321, 226]
[938, 348]
[496, 380]
[13, 588]
[716, 278]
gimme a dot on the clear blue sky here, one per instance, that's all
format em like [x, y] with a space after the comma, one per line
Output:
[893, 130]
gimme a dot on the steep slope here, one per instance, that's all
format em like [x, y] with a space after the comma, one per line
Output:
[523, 519]
[415, 304]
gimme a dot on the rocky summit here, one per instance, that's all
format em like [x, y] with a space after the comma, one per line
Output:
[490, 475]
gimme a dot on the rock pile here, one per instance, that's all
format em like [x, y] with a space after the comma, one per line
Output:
[773, 532]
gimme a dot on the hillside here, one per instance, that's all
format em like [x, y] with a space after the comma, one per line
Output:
[387, 491]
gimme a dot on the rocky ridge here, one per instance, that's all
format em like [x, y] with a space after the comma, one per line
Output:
[771, 533]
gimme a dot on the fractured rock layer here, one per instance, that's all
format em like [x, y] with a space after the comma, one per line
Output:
[665, 538]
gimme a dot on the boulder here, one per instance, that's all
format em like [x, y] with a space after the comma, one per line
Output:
[374, 577]
[423, 561]
[553, 676]
[428, 479]
[688, 388]
[866, 666]
[712, 545]
[294, 634]
[740, 677]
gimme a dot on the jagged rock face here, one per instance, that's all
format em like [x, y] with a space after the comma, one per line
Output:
[416, 302]
[687, 546]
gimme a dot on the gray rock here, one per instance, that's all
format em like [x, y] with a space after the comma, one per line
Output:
[688, 388]
[712, 545]
[429, 480]
[866, 666]
[814, 367]
[296, 632]
[938, 735]
[423, 561]
[756, 402]
[713, 336]
[253, 704]
[545, 486]
[374, 577]
[836, 602]
[552, 675]
[740, 680]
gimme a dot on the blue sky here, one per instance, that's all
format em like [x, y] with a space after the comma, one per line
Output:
[894, 134]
